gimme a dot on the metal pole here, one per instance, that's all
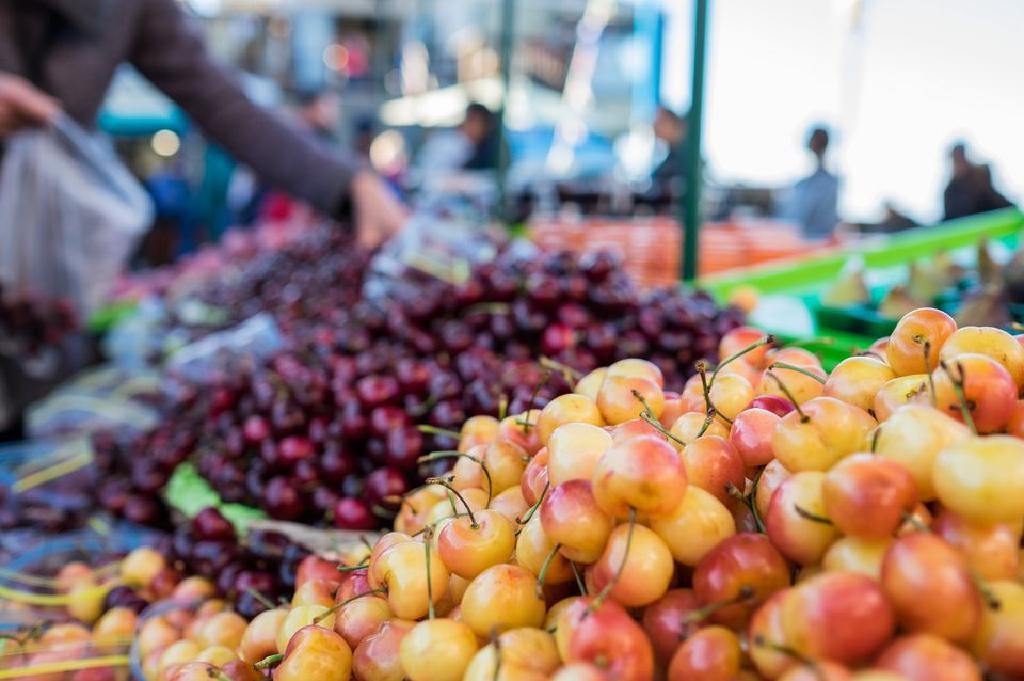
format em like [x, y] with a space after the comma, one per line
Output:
[689, 204]
[508, 21]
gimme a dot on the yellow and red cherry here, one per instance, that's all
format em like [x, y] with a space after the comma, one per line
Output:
[916, 342]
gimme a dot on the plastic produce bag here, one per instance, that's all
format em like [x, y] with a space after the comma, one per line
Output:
[70, 214]
[256, 337]
[106, 398]
[444, 242]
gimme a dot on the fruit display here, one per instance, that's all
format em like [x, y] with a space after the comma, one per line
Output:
[29, 324]
[987, 291]
[770, 521]
[333, 429]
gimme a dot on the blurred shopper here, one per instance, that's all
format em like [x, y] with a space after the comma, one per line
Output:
[480, 128]
[61, 54]
[970, 190]
[319, 111]
[670, 129]
[472, 146]
[814, 202]
[893, 220]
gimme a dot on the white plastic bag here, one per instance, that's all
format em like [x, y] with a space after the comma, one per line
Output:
[70, 214]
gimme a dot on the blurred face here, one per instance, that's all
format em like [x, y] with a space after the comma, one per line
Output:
[323, 112]
[666, 128]
[474, 128]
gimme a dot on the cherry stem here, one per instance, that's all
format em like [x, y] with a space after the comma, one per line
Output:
[767, 340]
[502, 407]
[702, 369]
[958, 388]
[798, 369]
[804, 418]
[263, 600]
[338, 606]
[579, 580]
[746, 593]
[914, 522]
[762, 642]
[533, 398]
[451, 490]
[874, 438]
[452, 454]
[931, 379]
[542, 575]
[811, 342]
[361, 565]
[533, 509]
[496, 642]
[992, 601]
[268, 661]
[434, 430]
[603, 594]
[648, 417]
[749, 501]
[428, 537]
[708, 420]
[813, 517]
[424, 408]
[570, 375]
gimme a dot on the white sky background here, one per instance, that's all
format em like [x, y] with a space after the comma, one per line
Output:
[925, 73]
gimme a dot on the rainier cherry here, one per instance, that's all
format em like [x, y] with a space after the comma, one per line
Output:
[569, 408]
[917, 340]
[502, 597]
[574, 449]
[751, 436]
[930, 587]
[982, 479]
[699, 524]
[794, 518]
[913, 436]
[857, 380]
[826, 431]
[640, 576]
[437, 650]
[866, 496]
[978, 385]
[998, 642]
[572, 518]
[992, 550]
[996, 343]
[713, 465]
[711, 653]
[737, 575]
[924, 657]
[644, 473]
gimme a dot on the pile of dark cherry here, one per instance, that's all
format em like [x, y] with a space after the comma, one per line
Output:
[29, 324]
[327, 430]
[253, 577]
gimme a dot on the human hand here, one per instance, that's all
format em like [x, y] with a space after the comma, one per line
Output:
[378, 214]
[22, 105]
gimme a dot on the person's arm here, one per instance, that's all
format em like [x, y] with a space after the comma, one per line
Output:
[169, 50]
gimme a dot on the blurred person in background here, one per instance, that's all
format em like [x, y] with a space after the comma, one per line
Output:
[670, 129]
[319, 111]
[471, 146]
[893, 220]
[480, 128]
[970, 190]
[814, 201]
[61, 55]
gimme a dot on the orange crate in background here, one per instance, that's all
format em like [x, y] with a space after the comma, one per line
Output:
[651, 248]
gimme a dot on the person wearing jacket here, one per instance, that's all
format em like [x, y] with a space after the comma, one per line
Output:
[62, 54]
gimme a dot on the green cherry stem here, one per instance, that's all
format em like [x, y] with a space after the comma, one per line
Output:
[602, 596]
[813, 517]
[542, 575]
[451, 490]
[798, 369]
[452, 454]
[767, 340]
[746, 593]
[533, 509]
[804, 418]
[579, 580]
[434, 430]
[268, 661]
[338, 606]
[958, 388]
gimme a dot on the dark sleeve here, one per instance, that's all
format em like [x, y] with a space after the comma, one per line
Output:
[169, 50]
